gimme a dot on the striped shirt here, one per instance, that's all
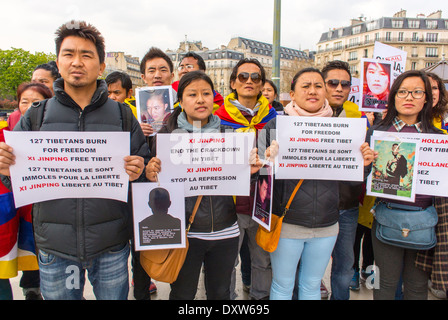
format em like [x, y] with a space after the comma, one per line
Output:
[227, 233]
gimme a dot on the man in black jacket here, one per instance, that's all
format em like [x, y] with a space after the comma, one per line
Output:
[73, 235]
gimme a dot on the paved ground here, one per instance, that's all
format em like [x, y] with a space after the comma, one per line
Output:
[163, 290]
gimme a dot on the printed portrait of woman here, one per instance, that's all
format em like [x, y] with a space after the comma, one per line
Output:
[376, 85]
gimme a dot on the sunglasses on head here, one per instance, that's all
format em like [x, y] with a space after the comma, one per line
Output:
[334, 83]
[244, 76]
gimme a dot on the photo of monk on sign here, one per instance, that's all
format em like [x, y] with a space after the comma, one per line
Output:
[154, 105]
[394, 171]
[376, 84]
[160, 228]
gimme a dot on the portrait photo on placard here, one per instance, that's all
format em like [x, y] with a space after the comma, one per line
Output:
[263, 197]
[375, 84]
[159, 216]
[394, 172]
[154, 104]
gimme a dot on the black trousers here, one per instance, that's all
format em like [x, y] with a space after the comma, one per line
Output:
[218, 257]
[392, 263]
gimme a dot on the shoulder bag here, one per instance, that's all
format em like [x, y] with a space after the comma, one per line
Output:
[268, 239]
[406, 226]
[165, 264]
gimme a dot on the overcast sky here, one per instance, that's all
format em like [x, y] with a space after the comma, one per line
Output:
[134, 26]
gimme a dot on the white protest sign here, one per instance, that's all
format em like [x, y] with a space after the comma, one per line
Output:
[396, 56]
[432, 163]
[207, 163]
[320, 148]
[355, 91]
[55, 165]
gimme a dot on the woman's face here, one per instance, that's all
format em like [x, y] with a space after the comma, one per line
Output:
[435, 91]
[28, 97]
[409, 108]
[377, 79]
[309, 92]
[197, 102]
[268, 92]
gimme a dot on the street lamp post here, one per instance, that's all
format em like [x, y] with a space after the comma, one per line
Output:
[276, 44]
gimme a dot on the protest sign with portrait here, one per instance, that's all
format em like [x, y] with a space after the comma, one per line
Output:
[154, 104]
[159, 216]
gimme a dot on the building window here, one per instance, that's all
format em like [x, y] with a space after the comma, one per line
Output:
[397, 24]
[353, 42]
[431, 37]
[366, 38]
[353, 69]
[366, 53]
[388, 36]
[428, 64]
[432, 52]
[414, 66]
[400, 36]
[414, 52]
[415, 36]
[431, 24]
[353, 56]
[356, 30]
[377, 36]
[372, 25]
[338, 45]
[413, 24]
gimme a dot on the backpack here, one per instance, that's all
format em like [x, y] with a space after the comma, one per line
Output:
[37, 111]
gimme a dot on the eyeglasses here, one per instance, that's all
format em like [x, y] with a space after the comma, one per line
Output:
[416, 94]
[334, 83]
[187, 66]
[244, 76]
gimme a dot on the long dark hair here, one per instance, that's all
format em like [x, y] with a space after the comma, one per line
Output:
[185, 81]
[425, 116]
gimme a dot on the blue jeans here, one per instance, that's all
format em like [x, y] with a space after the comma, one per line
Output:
[63, 279]
[313, 254]
[343, 255]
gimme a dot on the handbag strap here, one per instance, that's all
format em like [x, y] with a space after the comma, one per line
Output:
[292, 196]
[195, 209]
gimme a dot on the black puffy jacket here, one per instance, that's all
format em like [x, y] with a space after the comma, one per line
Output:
[315, 205]
[80, 229]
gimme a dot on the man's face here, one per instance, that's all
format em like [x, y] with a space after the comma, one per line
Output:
[157, 73]
[43, 76]
[249, 88]
[79, 63]
[263, 190]
[117, 92]
[337, 95]
[395, 150]
[186, 65]
[156, 108]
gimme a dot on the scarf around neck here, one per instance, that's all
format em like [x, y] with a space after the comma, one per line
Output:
[231, 115]
[293, 109]
[213, 124]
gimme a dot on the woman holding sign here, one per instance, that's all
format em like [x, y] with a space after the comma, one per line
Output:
[410, 109]
[214, 234]
[310, 227]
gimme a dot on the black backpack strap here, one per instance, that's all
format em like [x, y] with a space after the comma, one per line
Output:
[36, 112]
[126, 117]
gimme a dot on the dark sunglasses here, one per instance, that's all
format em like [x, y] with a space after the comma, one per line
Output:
[244, 76]
[334, 83]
